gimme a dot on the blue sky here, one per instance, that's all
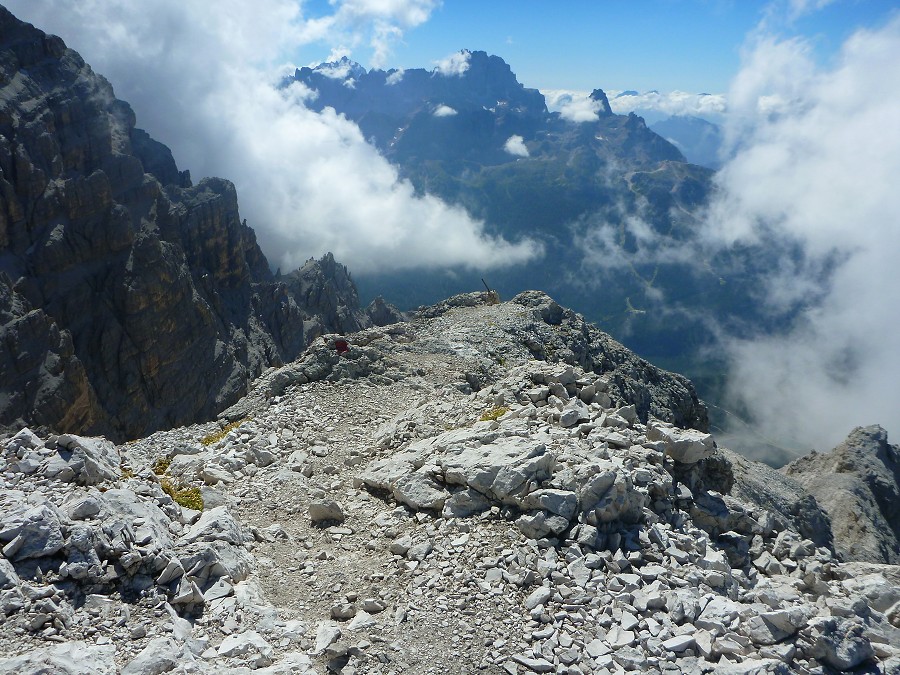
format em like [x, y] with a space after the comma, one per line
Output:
[687, 45]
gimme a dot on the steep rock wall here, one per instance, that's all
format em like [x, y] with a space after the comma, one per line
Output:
[148, 294]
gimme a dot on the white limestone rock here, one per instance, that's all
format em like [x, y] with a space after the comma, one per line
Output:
[325, 510]
[161, 655]
[216, 524]
[687, 446]
[84, 461]
[68, 658]
[464, 503]
[29, 532]
[840, 643]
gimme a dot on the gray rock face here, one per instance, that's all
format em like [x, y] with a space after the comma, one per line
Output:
[556, 334]
[43, 380]
[858, 484]
[326, 285]
[781, 495]
[383, 313]
[131, 300]
[593, 487]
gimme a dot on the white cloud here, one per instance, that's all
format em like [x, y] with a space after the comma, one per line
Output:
[336, 70]
[444, 111]
[395, 77]
[335, 55]
[575, 106]
[818, 169]
[515, 145]
[204, 84]
[454, 65]
[380, 23]
[798, 8]
[654, 105]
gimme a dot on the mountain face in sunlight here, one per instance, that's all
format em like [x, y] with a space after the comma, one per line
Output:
[597, 189]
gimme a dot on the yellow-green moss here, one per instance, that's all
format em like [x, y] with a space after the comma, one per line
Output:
[493, 414]
[216, 436]
[161, 465]
[188, 497]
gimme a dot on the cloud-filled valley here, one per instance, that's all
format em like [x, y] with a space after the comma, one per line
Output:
[814, 151]
[204, 83]
[816, 159]
[809, 187]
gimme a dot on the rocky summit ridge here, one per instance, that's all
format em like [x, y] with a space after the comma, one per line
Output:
[486, 488]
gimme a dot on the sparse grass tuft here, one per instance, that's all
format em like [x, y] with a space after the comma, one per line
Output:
[127, 471]
[494, 414]
[161, 465]
[188, 497]
[216, 436]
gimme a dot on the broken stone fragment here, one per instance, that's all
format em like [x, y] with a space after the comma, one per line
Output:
[325, 510]
[686, 446]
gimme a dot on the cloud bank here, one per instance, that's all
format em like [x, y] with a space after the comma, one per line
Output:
[654, 105]
[378, 23]
[204, 83]
[817, 156]
[444, 111]
[810, 190]
[454, 65]
[575, 106]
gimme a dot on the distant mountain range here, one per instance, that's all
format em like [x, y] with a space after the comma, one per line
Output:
[477, 137]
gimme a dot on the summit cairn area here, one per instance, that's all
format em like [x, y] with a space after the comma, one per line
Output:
[487, 488]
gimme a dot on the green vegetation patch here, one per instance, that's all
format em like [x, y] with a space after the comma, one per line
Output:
[216, 436]
[188, 497]
[161, 465]
[493, 414]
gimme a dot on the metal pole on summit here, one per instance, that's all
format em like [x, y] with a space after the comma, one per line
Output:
[493, 296]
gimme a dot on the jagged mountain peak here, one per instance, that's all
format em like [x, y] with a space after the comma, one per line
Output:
[858, 484]
[131, 299]
[599, 96]
[342, 69]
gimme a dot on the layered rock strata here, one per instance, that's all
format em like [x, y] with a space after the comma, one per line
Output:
[131, 299]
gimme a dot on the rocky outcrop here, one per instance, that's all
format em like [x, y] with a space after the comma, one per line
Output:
[426, 497]
[567, 337]
[858, 484]
[383, 313]
[326, 285]
[531, 326]
[42, 378]
[131, 299]
[784, 498]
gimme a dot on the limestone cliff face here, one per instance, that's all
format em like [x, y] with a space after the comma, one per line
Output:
[134, 300]
[858, 484]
